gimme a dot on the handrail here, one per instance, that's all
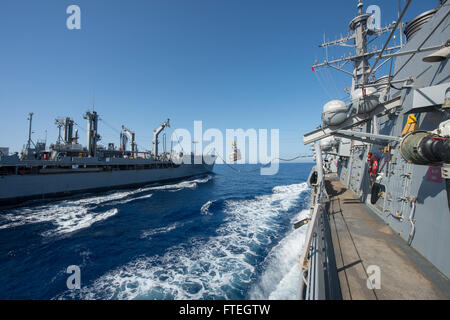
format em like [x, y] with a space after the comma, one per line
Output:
[306, 246]
[309, 235]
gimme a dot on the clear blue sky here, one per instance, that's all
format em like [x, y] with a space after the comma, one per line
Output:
[231, 63]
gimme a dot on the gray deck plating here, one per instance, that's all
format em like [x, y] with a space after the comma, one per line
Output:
[361, 239]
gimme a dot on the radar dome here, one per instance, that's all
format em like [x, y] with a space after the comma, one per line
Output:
[364, 103]
[357, 93]
[334, 112]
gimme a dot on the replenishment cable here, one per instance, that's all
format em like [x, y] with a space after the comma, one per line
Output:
[263, 165]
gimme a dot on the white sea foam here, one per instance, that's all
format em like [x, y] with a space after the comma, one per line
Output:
[205, 208]
[189, 184]
[281, 276]
[222, 266]
[145, 196]
[66, 219]
[76, 221]
[148, 234]
[75, 214]
[67, 216]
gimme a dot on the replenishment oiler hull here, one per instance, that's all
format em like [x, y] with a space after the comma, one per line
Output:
[15, 189]
[67, 168]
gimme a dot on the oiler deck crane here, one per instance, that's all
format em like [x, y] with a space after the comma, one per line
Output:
[123, 140]
[156, 133]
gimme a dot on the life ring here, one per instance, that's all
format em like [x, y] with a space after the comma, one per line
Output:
[373, 166]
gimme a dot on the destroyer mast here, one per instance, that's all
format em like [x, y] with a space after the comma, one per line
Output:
[389, 149]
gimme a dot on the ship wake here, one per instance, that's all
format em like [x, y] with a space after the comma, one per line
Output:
[72, 215]
[228, 265]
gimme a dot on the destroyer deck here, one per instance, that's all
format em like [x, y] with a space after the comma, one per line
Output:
[361, 239]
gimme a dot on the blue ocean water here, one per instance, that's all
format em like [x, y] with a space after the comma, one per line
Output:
[226, 235]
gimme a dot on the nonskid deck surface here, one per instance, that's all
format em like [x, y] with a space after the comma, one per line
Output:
[361, 240]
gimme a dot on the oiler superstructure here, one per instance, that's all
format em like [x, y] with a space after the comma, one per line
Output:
[67, 167]
[379, 225]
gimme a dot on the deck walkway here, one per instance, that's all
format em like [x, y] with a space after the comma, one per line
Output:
[361, 239]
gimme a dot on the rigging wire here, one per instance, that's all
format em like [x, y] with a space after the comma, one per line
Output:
[110, 126]
[390, 77]
[332, 81]
[79, 126]
[316, 73]
[263, 165]
[138, 145]
[224, 161]
[178, 139]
